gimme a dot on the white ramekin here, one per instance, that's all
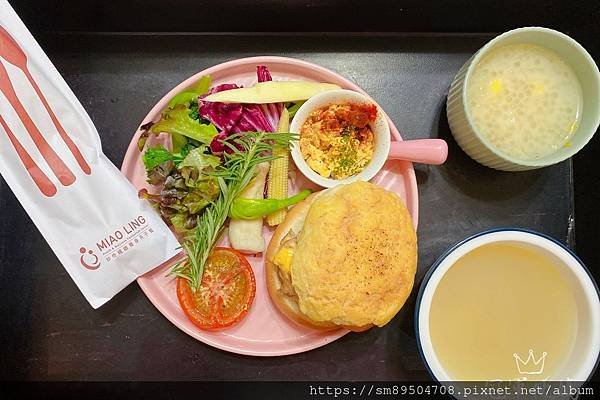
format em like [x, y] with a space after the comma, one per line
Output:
[477, 146]
[380, 128]
[586, 348]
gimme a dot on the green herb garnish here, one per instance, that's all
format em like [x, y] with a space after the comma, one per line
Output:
[346, 163]
[248, 149]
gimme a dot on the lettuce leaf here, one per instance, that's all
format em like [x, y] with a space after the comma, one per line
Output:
[177, 121]
[294, 107]
[179, 221]
[182, 98]
[191, 94]
[178, 142]
[203, 84]
[198, 159]
[157, 155]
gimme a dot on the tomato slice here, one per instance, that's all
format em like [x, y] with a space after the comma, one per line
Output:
[226, 293]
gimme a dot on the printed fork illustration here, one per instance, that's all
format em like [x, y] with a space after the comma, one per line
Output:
[12, 52]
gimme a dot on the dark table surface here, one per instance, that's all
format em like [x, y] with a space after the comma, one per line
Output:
[49, 332]
[47, 329]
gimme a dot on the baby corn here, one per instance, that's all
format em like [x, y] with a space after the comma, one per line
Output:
[277, 187]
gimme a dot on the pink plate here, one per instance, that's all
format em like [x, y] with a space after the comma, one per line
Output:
[264, 331]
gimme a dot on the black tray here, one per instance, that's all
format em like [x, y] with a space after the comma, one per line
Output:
[49, 332]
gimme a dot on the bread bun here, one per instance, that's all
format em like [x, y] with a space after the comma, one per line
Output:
[354, 261]
[288, 305]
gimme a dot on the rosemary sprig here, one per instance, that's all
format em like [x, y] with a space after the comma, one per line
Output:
[248, 149]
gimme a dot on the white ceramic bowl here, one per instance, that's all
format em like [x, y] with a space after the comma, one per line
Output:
[380, 128]
[478, 147]
[584, 355]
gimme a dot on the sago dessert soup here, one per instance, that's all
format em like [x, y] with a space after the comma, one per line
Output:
[524, 100]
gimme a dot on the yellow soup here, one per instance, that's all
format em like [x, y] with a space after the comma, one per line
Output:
[495, 306]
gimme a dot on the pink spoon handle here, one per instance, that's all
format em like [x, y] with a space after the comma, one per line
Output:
[423, 151]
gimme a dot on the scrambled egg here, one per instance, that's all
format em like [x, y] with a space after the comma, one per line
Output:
[336, 141]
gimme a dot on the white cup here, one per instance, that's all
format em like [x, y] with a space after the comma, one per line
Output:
[586, 348]
[478, 147]
[427, 151]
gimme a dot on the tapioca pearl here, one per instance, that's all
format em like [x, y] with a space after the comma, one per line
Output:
[514, 86]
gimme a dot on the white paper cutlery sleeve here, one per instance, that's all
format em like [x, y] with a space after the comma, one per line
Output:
[51, 157]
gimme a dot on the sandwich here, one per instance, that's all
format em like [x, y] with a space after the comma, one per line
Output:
[343, 257]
